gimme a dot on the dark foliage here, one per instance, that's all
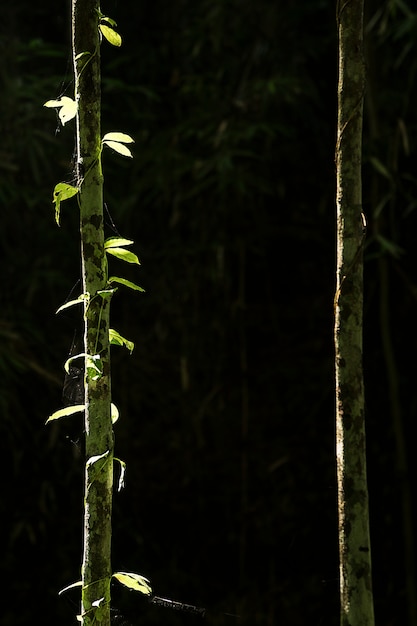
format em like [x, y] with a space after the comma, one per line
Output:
[227, 401]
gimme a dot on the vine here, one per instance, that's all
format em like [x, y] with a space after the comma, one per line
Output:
[90, 27]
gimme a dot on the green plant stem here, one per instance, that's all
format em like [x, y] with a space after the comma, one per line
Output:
[96, 566]
[356, 600]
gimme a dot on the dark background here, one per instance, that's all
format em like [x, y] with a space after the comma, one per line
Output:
[227, 413]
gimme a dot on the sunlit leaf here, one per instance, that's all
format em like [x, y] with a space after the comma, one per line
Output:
[82, 54]
[123, 255]
[106, 293]
[68, 108]
[122, 475]
[111, 35]
[82, 298]
[109, 20]
[120, 137]
[68, 112]
[53, 104]
[94, 366]
[71, 359]
[126, 283]
[62, 191]
[119, 147]
[117, 242]
[97, 457]
[116, 339]
[66, 412]
[77, 584]
[134, 581]
[114, 413]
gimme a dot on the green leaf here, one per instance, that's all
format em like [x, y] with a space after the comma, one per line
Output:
[93, 459]
[68, 108]
[122, 474]
[62, 191]
[116, 339]
[106, 293]
[117, 242]
[66, 412]
[134, 581]
[81, 55]
[97, 457]
[53, 104]
[77, 584]
[119, 147]
[84, 297]
[111, 35]
[123, 255]
[119, 137]
[109, 20]
[126, 283]
[114, 413]
[94, 366]
[71, 359]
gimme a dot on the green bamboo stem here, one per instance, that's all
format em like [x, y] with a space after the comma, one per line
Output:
[96, 566]
[356, 598]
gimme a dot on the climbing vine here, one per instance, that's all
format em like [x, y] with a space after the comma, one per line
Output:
[89, 28]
